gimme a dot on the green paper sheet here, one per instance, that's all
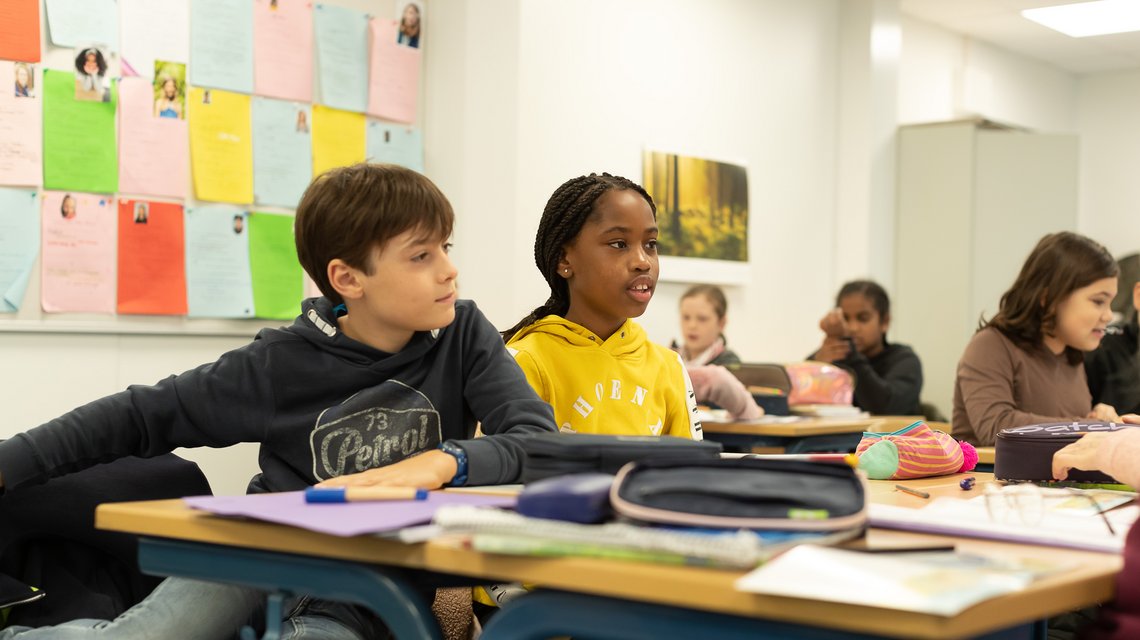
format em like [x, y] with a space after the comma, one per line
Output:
[277, 281]
[79, 138]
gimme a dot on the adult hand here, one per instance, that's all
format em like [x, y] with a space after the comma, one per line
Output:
[1081, 454]
[833, 324]
[1104, 413]
[1130, 418]
[429, 470]
[833, 349]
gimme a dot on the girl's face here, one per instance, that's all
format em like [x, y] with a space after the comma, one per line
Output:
[169, 89]
[91, 66]
[1083, 316]
[68, 207]
[22, 76]
[866, 326]
[700, 324]
[611, 265]
[411, 15]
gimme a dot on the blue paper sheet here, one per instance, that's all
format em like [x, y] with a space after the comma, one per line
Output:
[282, 151]
[19, 244]
[218, 281]
[342, 57]
[221, 45]
[395, 144]
[77, 23]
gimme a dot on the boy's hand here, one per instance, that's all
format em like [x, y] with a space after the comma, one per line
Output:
[429, 470]
[1081, 454]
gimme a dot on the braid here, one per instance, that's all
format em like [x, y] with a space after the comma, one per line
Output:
[566, 211]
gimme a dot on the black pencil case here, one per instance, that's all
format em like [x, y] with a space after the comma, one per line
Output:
[558, 454]
[742, 493]
[1026, 453]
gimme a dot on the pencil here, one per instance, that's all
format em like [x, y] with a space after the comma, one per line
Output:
[841, 458]
[363, 494]
[913, 492]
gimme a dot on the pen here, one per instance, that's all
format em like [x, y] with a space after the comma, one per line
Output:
[913, 492]
[363, 494]
[849, 458]
[925, 549]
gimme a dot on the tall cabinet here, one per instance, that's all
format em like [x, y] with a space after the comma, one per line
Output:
[973, 199]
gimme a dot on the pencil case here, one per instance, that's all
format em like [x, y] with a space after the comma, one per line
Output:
[579, 497]
[742, 493]
[559, 454]
[1026, 453]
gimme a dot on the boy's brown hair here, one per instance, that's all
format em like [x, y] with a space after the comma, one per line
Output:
[348, 211]
[1060, 264]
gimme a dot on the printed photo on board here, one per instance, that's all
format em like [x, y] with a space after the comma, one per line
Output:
[25, 77]
[91, 77]
[169, 89]
[411, 18]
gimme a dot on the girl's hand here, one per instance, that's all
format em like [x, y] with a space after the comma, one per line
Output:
[429, 470]
[1104, 413]
[1130, 418]
[833, 349]
[833, 324]
[1081, 454]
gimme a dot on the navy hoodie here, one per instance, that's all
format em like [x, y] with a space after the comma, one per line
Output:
[320, 403]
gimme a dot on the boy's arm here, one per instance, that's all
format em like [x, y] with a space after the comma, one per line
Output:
[502, 400]
[214, 405]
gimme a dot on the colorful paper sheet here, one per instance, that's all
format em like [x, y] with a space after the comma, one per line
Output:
[274, 266]
[152, 264]
[78, 259]
[153, 151]
[143, 43]
[221, 45]
[344, 519]
[79, 138]
[21, 132]
[221, 152]
[20, 30]
[395, 144]
[338, 138]
[283, 49]
[19, 244]
[75, 23]
[217, 263]
[342, 56]
[282, 151]
[394, 80]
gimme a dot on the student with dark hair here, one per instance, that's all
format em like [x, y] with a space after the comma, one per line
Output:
[381, 381]
[596, 247]
[90, 71]
[1026, 364]
[1114, 367]
[888, 376]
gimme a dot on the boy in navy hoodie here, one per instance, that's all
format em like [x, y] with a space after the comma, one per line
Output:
[379, 382]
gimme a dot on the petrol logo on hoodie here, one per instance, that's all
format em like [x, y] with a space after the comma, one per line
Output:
[374, 428]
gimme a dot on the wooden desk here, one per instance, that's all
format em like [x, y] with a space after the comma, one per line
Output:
[627, 599]
[804, 436]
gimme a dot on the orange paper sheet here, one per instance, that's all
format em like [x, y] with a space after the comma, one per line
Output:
[20, 30]
[152, 261]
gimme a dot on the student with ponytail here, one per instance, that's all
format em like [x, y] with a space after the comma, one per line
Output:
[597, 249]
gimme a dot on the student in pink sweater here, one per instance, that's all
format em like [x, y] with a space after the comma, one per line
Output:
[1116, 453]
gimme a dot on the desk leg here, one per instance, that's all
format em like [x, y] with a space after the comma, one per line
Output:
[543, 614]
[389, 596]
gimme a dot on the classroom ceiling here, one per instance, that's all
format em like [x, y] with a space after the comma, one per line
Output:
[999, 22]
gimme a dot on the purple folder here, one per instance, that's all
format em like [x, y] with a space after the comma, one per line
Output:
[341, 519]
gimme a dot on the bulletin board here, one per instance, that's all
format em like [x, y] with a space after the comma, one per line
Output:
[152, 152]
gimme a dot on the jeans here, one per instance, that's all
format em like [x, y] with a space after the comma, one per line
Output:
[194, 610]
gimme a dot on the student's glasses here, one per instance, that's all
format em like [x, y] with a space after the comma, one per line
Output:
[1027, 503]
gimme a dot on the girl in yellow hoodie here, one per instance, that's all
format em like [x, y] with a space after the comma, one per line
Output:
[597, 248]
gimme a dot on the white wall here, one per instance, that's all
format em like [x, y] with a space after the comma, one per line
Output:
[1110, 152]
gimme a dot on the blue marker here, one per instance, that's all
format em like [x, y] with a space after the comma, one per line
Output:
[363, 494]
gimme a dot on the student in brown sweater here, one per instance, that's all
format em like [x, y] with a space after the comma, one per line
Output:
[1025, 365]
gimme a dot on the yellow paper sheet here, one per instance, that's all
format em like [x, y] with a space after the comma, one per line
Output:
[338, 138]
[221, 145]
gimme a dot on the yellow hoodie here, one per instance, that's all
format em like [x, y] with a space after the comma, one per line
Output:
[625, 385]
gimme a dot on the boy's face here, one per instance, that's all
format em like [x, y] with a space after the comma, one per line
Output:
[411, 288]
